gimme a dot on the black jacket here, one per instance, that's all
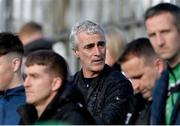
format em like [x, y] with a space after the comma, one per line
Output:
[139, 110]
[65, 108]
[105, 95]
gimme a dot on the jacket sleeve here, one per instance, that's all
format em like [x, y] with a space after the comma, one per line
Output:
[113, 111]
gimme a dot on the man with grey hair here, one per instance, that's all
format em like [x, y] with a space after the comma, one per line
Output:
[105, 90]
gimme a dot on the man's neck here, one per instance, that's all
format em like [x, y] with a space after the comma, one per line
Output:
[41, 106]
[88, 74]
[16, 82]
[172, 64]
[40, 109]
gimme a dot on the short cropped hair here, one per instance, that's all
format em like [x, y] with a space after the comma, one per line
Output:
[140, 47]
[10, 43]
[53, 61]
[30, 28]
[86, 26]
[164, 7]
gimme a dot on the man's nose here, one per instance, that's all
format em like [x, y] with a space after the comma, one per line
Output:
[159, 39]
[135, 85]
[97, 50]
[27, 81]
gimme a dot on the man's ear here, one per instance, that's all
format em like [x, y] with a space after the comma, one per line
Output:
[160, 65]
[56, 84]
[16, 62]
[76, 53]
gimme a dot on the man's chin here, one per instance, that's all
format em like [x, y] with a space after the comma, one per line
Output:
[165, 56]
[98, 67]
[29, 101]
[147, 97]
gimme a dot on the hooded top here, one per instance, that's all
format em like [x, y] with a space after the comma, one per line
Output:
[9, 101]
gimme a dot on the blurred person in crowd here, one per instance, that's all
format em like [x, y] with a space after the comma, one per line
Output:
[35, 46]
[162, 23]
[143, 67]
[31, 34]
[12, 93]
[104, 89]
[50, 98]
[33, 39]
[115, 44]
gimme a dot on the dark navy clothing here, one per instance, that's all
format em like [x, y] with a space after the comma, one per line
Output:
[160, 95]
[9, 101]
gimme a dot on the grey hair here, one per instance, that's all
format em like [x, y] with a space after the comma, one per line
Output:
[86, 26]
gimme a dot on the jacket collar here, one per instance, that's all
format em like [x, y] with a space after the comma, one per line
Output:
[13, 91]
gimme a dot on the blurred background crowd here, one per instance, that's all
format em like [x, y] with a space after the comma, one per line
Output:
[58, 16]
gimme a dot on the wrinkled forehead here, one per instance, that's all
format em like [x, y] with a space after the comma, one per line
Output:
[84, 37]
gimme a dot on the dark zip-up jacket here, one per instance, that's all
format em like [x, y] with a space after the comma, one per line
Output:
[65, 108]
[106, 95]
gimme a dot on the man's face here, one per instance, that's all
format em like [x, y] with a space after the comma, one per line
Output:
[141, 74]
[6, 72]
[91, 52]
[164, 36]
[38, 84]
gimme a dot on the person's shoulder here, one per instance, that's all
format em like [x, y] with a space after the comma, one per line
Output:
[116, 78]
[38, 44]
[116, 75]
[16, 91]
[72, 78]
